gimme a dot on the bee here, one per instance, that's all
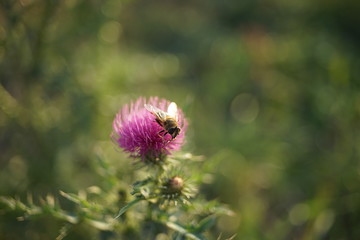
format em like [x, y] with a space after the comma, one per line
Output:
[168, 120]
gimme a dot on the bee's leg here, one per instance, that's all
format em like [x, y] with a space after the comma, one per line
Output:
[160, 133]
[158, 121]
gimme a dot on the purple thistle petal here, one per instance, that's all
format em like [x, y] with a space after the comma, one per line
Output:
[136, 131]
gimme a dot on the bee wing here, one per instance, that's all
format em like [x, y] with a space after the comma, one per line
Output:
[172, 110]
[160, 114]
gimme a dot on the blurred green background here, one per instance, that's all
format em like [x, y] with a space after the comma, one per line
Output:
[270, 89]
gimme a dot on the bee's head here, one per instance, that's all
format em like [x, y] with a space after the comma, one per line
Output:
[174, 131]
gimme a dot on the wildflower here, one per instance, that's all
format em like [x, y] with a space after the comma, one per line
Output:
[137, 133]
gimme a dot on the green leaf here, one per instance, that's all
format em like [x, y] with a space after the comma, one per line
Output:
[178, 228]
[76, 199]
[127, 206]
[206, 223]
[66, 217]
[64, 231]
[72, 197]
[141, 183]
[13, 204]
[101, 225]
[232, 237]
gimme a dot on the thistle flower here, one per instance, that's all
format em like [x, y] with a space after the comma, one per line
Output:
[137, 133]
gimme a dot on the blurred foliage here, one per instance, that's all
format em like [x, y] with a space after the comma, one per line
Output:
[160, 214]
[270, 89]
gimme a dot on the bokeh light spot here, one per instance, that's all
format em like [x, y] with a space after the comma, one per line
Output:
[244, 108]
[324, 221]
[2, 33]
[229, 223]
[162, 236]
[17, 167]
[112, 8]
[339, 70]
[110, 32]
[299, 213]
[166, 65]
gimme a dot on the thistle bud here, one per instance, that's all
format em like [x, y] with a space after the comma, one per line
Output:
[173, 186]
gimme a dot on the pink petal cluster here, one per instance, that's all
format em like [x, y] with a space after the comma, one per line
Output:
[136, 131]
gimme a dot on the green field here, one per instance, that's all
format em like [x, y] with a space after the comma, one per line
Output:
[270, 89]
